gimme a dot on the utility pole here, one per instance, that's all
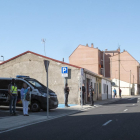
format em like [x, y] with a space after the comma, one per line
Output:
[46, 63]
[44, 41]
[104, 62]
[130, 83]
[119, 68]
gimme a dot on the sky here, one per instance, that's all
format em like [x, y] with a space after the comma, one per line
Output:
[67, 23]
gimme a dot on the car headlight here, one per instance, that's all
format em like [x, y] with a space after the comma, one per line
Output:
[45, 95]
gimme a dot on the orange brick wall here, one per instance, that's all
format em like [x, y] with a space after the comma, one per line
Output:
[107, 63]
[86, 57]
[127, 63]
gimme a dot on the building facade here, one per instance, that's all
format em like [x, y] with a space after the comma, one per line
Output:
[109, 54]
[93, 59]
[88, 57]
[32, 64]
[129, 72]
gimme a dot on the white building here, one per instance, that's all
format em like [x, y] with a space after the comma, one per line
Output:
[102, 86]
[127, 88]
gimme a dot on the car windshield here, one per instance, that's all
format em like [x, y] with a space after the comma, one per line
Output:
[35, 83]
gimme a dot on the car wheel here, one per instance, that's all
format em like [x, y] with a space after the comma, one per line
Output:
[35, 106]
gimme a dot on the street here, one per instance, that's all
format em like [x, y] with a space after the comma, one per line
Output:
[115, 121]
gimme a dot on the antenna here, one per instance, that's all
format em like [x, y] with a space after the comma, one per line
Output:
[44, 41]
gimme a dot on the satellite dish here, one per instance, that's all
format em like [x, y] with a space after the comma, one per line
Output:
[112, 83]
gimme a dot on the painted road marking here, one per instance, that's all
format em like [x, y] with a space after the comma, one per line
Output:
[133, 104]
[131, 99]
[107, 123]
[125, 110]
[138, 101]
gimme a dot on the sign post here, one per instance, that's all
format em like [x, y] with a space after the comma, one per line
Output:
[64, 72]
[46, 63]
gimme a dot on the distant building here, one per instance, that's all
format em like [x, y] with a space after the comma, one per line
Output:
[109, 54]
[88, 57]
[106, 63]
[129, 71]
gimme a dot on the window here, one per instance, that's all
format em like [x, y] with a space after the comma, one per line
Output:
[19, 84]
[105, 88]
[94, 88]
[4, 84]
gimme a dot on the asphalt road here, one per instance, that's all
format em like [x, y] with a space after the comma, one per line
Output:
[115, 121]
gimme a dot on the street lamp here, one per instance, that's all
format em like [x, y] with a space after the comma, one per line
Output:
[3, 57]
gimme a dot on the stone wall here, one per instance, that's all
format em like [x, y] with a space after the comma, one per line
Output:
[32, 65]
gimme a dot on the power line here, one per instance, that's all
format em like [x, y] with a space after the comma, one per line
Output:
[124, 68]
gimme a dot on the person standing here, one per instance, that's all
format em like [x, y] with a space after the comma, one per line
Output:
[83, 94]
[120, 93]
[24, 91]
[91, 92]
[115, 93]
[13, 92]
[67, 90]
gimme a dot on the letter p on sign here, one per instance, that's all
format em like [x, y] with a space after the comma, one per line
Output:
[64, 70]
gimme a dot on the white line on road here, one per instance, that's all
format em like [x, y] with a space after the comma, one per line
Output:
[107, 123]
[131, 99]
[125, 110]
[133, 104]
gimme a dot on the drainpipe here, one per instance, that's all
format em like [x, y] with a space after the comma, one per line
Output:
[81, 82]
[104, 62]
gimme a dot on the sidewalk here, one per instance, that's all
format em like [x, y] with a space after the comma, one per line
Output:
[10, 122]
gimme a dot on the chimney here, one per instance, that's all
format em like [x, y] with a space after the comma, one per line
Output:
[92, 46]
[124, 50]
[87, 44]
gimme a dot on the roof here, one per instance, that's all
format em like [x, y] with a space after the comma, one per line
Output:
[111, 51]
[83, 46]
[97, 75]
[40, 56]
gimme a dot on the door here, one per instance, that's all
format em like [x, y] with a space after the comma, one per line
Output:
[4, 98]
[107, 91]
[97, 91]
[88, 83]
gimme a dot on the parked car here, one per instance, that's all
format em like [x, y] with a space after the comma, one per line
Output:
[38, 93]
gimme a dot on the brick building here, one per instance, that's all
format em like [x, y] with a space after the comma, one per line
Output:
[128, 66]
[106, 63]
[88, 57]
[109, 54]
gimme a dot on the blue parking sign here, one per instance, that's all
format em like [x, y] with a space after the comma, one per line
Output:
[64, 70]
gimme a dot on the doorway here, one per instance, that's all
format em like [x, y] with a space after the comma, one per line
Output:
[87, 93]
[107, 91]
[97, 91]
